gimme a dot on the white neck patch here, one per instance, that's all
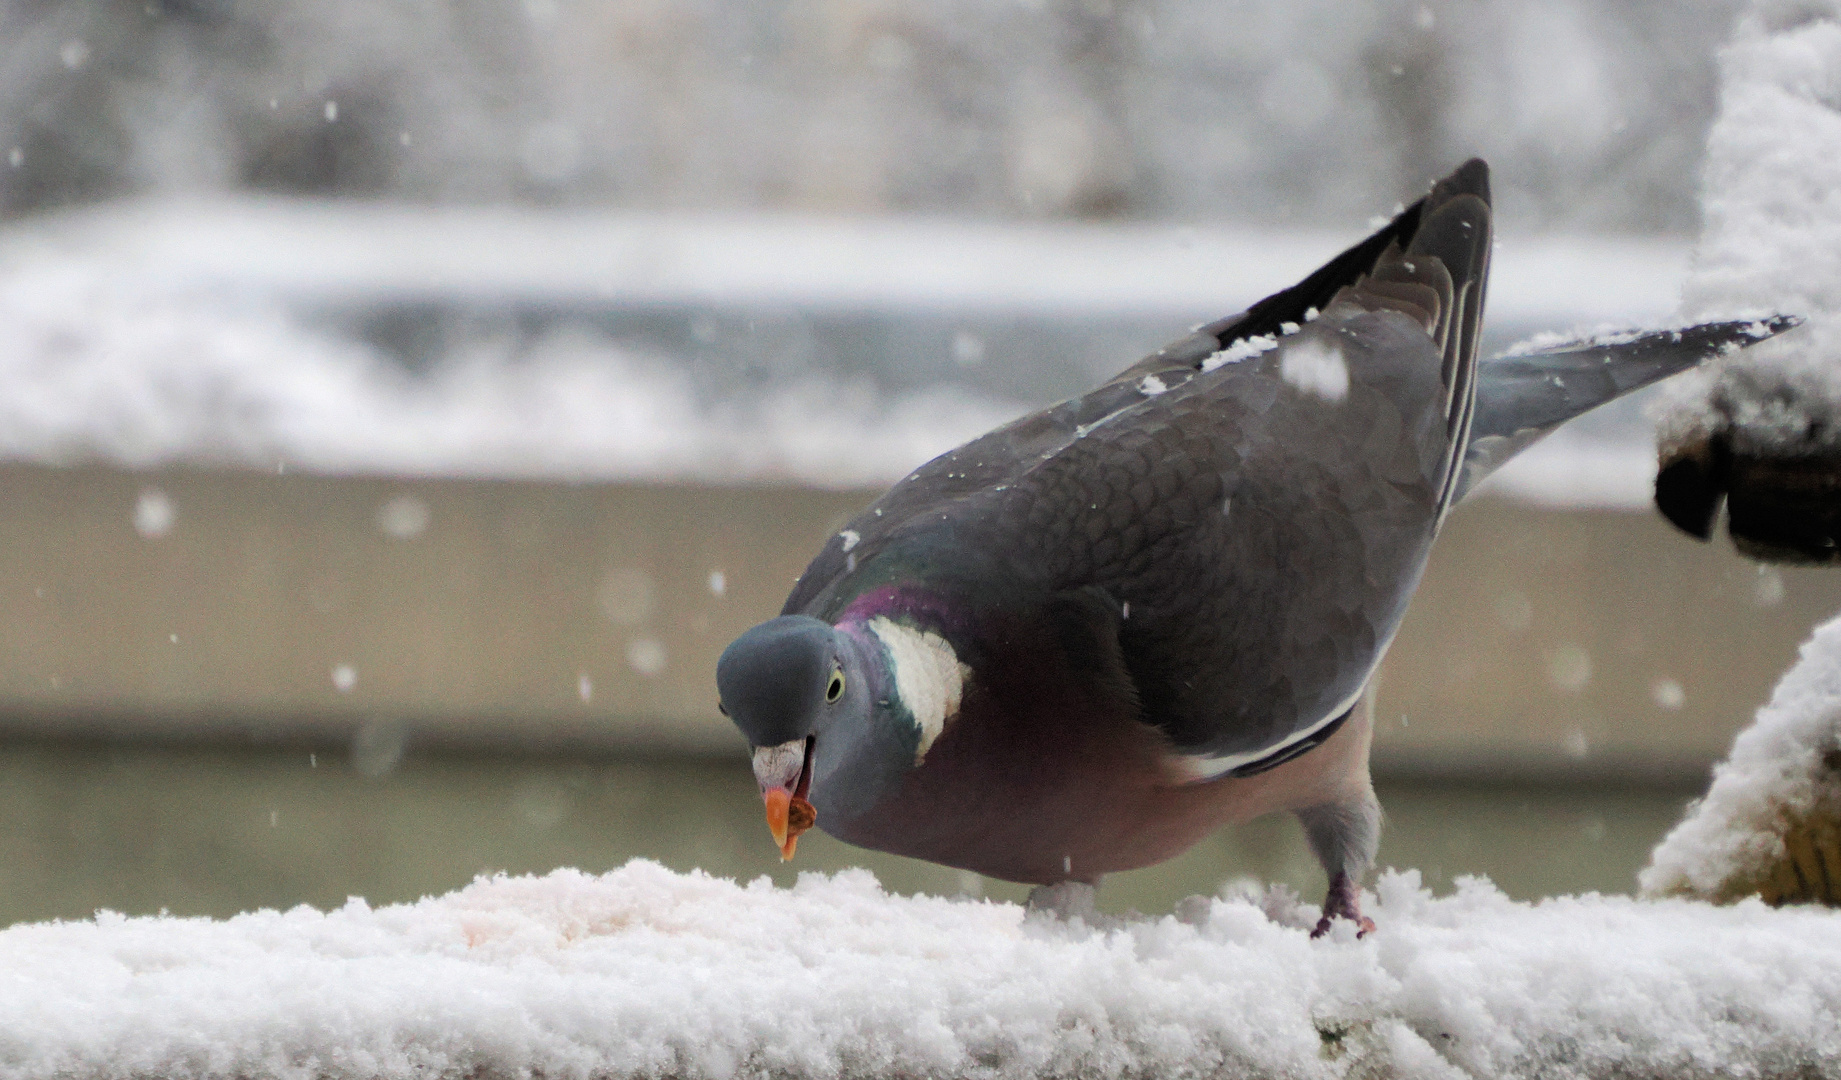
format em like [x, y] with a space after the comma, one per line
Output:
[928, 676]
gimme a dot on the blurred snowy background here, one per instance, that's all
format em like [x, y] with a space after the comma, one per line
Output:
[819, 241]
[791, 240]
[416, 247]
[1313, 113]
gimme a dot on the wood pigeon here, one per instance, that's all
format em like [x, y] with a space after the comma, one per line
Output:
[1082, 642]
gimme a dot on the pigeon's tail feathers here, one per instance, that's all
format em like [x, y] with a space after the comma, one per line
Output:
[1524, 396]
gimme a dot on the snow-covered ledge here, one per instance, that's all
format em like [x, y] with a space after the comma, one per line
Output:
[1763, 428]
[1762, 431]
[646, 972]
[1771, 823]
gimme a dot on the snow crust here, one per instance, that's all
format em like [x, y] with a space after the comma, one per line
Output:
[1553, 339]
[1242, 349]
[1771, 240]
[1781, 779]
[646, 972]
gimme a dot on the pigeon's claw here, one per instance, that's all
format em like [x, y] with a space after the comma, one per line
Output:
[1364, 924]
[1344, 900]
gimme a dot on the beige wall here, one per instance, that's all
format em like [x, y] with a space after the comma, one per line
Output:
[1536, 644]
[1546, 642]
[483, 624]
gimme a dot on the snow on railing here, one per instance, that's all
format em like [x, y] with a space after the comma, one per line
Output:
[1761, 431]
[1771, 822]
[647, 972]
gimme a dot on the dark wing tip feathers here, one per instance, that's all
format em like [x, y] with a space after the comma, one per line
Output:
[1267, 316]
[1470, 178]
[1316, 291]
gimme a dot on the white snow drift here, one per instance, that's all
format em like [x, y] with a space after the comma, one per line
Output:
[1781, 777]
[1772, 236]
[645, 972]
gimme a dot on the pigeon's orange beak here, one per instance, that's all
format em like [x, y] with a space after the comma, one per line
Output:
[785, 775]
[779, 802]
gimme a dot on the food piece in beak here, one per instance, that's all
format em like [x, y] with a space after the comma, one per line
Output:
[801, 815]
[785, 775]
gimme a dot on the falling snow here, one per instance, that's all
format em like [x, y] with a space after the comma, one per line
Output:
[153, 514]
[1317, 369]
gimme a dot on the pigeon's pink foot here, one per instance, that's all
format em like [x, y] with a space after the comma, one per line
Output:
[1344, 900]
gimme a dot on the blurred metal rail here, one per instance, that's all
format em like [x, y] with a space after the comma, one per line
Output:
[239, 606]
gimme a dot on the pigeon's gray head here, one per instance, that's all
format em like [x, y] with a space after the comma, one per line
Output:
[814, 703]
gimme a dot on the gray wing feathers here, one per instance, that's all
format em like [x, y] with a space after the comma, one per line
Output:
[996, 460]
[1266, 535]
[1456, 232]
[1280, 533]
[1440, 281]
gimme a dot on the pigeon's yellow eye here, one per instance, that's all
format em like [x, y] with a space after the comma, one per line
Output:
[835, 688]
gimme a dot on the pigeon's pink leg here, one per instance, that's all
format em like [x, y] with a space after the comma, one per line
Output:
[1344, 899]
[1344, 835]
